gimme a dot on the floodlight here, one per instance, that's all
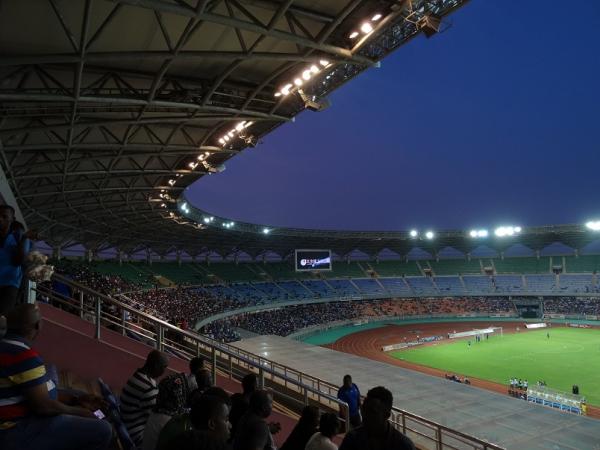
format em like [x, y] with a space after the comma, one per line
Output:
[247, 124]
[306, 74]
[366, 28]
[376, 17]
[482, 233]
[266, 231]
[206, 220]
[298, 82]
[171, 182]
[414, 233]
[226, 138]
[473, 233]
[314, 69]
[221, 141]
[239, 126]
[277, 94]
[286, 89]
[231, 133]
[162, 205]
[593, 225]
[429, 235]
[353, 34]
[324, 62]
[517, 229]
[507, 231]
[192, 165]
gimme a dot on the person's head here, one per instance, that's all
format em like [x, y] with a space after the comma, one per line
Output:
[24, 320]
[261, 403]
[347, 381]
[203, 379]
[310, 417]
[249, 383]
[2, 326]
[196, 365]
[210, 413]
[7, 216]
[376, 409]
[329, 425]
[170, 400]
[156, 364]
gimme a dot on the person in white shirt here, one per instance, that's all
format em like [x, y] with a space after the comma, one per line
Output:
[329, 426]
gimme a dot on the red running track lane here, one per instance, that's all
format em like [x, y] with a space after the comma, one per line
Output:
[368, 344]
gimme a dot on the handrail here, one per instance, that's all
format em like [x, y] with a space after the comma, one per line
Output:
[169, 337]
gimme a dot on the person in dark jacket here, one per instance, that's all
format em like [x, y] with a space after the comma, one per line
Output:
[304, 429]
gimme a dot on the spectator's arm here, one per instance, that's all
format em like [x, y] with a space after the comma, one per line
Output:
[41, 404]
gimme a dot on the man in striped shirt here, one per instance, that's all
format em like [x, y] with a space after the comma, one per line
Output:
[30, 415]
[139, 395]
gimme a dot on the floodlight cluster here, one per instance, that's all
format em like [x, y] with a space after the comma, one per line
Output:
[208, 219]
[593, 225]
[228, 224]
[415, 234]
[366, 27]
[266, 231]
[479, 233]
[234, 132]
[507, 231]
[184, 208]
[302, 78]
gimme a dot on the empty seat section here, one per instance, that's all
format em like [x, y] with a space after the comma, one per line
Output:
[422, 285]
[582, 264]
[295, 289]
[508, 283]
[343, 269]
[396, 286]
[368, 286]
[522, 265]
[231, 272]
[396, 268]
[449, 285]
[272, 291]
[541, 283]
[320, 288]
[343, 287]
[478, 284]
[576, 283]
[455, 266]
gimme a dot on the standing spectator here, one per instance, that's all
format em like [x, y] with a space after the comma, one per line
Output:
[198, 372]
[139, 395]
[14, 249]
[253, 432]
[350, 394]
[304, 429]
[241, 401]
[2, 326]
[377, 433]
[31, 417]
[329, 426]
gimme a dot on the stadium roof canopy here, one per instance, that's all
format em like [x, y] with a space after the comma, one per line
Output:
[110, 109]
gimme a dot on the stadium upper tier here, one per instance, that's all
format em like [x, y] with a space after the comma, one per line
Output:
[556, 275]
[103, 123]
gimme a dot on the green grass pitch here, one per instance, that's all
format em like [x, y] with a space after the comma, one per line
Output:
[570, 356]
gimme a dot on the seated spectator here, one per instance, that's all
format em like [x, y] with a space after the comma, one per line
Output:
[198, 371]
[31, 417]
[304, 429]
[350, 394]
[171, 401]
[182, 423]
[329, 426]
[211, 427]
[241, 401]
[139, 395]
[253, 432]
[377, 433]
[2, 326]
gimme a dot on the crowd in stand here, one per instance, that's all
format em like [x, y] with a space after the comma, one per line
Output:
[572, 305]
[183, 411]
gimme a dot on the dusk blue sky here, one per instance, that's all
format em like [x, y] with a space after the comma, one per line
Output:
[494, 121]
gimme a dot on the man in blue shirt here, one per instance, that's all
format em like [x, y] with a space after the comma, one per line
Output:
[13, 250]
[350, 394]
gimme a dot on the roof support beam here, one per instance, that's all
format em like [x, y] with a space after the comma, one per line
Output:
[162, 6]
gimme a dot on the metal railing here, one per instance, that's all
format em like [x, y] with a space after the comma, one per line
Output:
[287, 383]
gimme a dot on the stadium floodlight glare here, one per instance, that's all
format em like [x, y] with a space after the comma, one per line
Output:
[429, 235]
[366, 28]
[314, 69]
[353, 35]
[507, 231]
[414, 233]
[206, 220]
[593, 225]
[324, 62]
[171, 181]
[376, 17]
[266, 231]
[306, 75]
[298, 82]
[478, 233]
